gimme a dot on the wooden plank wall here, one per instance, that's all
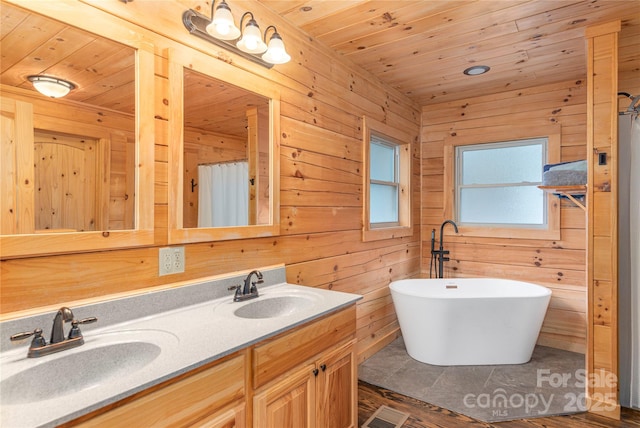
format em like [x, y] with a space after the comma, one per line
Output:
[323, 98]
[122, 187]
[559, 265]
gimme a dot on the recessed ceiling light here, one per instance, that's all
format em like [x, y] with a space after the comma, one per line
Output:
[476, 70]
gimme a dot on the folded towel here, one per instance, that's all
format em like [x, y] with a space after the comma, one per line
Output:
[564, 178]
[580, 165]
[565, 174]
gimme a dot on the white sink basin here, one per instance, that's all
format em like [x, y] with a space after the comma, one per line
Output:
[271, 307]
[109, 357]
[272, 304]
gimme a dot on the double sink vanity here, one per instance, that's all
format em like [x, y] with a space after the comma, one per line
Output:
[190, 355]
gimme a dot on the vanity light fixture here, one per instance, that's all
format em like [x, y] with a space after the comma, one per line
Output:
[247, 41]
[276, 53]
[476, 70]
[251, 41]
[222, 26]
[50, 86]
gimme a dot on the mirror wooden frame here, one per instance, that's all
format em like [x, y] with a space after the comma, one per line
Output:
[15, 246]
[204, 64]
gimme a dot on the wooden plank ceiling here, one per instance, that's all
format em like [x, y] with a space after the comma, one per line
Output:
[417, 47]
[103, 71]
[422, 47]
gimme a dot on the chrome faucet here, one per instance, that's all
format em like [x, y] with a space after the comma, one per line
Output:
[58, 342]
[249, 289]
[441, 252]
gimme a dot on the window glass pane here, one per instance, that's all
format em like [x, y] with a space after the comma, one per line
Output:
[383, 165]
[383, 204]
[502, 205]
[500, 165]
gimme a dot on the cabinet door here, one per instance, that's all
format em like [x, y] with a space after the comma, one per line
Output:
[288, 402]
[230, 418]
[337, 386]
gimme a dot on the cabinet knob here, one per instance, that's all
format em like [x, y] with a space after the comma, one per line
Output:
[315, 372]
[323, 367]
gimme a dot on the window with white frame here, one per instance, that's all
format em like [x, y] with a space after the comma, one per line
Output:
[496, 184]
[386, 182]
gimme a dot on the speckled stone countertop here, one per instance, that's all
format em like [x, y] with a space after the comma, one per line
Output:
[191, 325]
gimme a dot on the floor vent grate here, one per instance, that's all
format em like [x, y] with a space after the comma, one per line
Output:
[386, 417]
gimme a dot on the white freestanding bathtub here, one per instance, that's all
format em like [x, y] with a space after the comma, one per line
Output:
[469, 321]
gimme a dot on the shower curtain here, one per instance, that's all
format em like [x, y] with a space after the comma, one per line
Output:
[223, 194]
[629, 259]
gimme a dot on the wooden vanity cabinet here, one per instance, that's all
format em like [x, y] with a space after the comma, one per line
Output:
[337, 386]
[287, 402]
[234, 417]
[305, 377]
[299, 385]
[211, 396]
[322, 394]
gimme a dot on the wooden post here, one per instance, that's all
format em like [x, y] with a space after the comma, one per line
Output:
[602, 230]
[252, 158]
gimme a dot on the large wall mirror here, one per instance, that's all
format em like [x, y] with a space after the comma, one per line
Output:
[75, 170]
[225, 153]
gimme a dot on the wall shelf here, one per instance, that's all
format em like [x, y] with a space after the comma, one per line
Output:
[570, 192]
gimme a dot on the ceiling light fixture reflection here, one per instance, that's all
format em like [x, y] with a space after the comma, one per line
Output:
[476, 70]
[50, 86]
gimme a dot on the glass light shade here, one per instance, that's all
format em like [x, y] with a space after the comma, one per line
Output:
[222, 26]
[251, 41]
[276, 54]
[51, 86]
[476, 70]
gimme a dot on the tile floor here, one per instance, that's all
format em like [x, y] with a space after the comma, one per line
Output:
[424, 415]
[550, 384]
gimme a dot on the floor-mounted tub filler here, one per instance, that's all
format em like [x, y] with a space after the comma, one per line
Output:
[469, 321]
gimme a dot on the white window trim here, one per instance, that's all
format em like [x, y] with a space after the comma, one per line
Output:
[495, 135]
[404, 227]
[543, 141]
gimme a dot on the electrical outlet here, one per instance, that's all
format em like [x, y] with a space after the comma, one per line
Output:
[178, 259]
[170, 260]
[165, 261]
